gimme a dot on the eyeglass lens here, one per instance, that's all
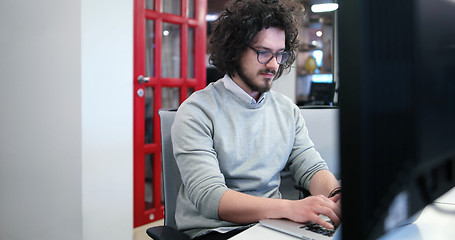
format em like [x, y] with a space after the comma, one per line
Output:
[266, 56]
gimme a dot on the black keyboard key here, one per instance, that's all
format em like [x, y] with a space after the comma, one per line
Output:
[320, 229]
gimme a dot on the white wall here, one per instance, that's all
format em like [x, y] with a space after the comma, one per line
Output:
[107, 114]
[65, 119]
[286, 84]
[323, 128]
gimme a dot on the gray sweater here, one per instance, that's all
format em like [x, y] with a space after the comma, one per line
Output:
[221, 142]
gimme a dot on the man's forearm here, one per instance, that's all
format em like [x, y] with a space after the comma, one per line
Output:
[322, 183]
[244, 209]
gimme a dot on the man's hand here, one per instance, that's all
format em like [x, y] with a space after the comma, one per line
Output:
[309, 209]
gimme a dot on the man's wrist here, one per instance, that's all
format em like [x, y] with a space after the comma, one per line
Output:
[334, 192]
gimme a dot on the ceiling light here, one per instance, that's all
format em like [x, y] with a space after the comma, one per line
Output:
[324, 7]
[211, 17]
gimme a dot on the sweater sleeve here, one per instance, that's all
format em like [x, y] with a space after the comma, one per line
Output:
[204, 184]
[304, 160]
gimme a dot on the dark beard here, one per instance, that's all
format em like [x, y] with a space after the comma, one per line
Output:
[249, 82]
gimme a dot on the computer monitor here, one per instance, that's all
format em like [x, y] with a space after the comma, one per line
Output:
[397, 109]
[321, 93]
[316, 89]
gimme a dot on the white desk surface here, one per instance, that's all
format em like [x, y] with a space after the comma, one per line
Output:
[436, 222]
[259, 232]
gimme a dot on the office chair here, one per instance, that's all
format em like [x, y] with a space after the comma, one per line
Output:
[171, 182]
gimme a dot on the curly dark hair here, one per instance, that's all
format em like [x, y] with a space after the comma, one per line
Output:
[238, 25]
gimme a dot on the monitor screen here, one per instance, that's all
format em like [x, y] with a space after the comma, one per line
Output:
[316, 89]
[397, 110]
[321, 93]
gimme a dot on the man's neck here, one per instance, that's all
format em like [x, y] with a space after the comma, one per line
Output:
[254, 94]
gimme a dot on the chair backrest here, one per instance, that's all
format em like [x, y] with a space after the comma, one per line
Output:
[171, 174]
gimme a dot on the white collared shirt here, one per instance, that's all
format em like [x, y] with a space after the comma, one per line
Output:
[239, 92]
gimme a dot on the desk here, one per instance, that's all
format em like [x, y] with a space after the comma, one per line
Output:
[436, 222]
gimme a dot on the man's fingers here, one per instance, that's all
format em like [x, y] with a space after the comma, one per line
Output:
[331, 214]
[322, 222]
[336, 198]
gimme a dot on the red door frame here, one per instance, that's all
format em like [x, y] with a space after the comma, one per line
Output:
[143, 215]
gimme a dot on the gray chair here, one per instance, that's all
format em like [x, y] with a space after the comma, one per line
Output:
[171, 182]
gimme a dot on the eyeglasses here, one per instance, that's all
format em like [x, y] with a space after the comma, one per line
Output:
[264, 56]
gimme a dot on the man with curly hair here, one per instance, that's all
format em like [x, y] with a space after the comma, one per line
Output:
[232, 139]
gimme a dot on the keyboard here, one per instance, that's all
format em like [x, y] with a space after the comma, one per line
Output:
[316, 228]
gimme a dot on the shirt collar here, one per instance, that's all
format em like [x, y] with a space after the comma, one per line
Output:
[239, 92]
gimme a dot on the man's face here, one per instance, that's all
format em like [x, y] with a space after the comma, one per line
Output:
[255, 77]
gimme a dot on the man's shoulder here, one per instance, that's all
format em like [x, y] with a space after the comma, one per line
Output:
[206, 95]
[284, 106]
[281, 99]
[204, 100]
